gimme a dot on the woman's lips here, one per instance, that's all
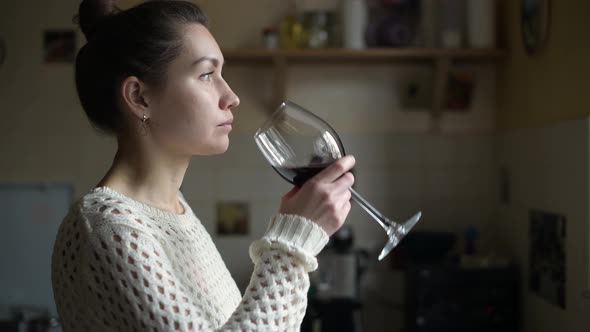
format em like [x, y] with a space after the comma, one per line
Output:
[227, 124]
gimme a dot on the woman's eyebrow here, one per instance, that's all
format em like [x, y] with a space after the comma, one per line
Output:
[214, 60]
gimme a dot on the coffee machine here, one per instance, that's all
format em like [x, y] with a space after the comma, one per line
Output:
[334, 297]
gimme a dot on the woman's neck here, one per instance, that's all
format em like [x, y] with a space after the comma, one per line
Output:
[147, 176]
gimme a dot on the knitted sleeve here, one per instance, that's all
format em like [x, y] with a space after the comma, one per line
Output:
[138, 285]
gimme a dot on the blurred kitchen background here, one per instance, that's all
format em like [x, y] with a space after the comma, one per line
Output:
[473, 111]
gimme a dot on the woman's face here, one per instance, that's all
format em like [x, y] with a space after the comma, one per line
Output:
[191, 114]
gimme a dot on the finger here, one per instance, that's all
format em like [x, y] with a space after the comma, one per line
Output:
[344, 183]
[347, 180]
[336, 170]
[344, 210]
[341, 199]
[348, 195]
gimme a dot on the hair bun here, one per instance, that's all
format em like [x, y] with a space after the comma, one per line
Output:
[91, 12]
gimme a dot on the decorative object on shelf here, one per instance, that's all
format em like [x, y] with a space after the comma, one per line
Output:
[2, 51]
[452, 23]
[354, 23]
[534, 22]
[394, 24]
[59, 46]
[481, 23]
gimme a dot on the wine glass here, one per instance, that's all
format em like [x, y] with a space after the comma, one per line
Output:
[298, 145]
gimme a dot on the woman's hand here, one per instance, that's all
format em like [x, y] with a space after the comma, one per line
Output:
[325, 198]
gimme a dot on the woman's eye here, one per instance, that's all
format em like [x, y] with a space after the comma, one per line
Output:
[207, 76]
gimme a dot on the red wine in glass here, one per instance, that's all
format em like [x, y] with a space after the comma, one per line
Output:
[299, 175]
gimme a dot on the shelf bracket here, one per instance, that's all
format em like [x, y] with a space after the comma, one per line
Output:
[279, 88]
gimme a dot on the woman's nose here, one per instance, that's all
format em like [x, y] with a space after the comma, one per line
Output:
[229, 100]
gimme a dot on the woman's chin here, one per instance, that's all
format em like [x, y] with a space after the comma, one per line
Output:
[221, 151]
[219, 148]
[213, 147]
[223, 146]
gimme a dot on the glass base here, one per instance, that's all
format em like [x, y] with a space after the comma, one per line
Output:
[396, 233]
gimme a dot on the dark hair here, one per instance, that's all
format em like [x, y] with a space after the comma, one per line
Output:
[140, 41]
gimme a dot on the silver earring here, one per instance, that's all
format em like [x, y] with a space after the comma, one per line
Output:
[144, 130]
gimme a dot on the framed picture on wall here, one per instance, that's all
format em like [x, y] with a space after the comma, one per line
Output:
[547, 256]
[59, 46]
[233, 218]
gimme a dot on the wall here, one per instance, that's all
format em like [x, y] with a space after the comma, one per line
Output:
[543, 144]
[552, 175]
[401, 166]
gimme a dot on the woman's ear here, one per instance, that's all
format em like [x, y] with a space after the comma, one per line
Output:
[133, 93]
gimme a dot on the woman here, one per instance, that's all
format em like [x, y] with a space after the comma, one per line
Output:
[131, 255]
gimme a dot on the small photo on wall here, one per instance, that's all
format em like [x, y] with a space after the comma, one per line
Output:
[233, 218]
[547, 256]
[460, 90]
[59, 46]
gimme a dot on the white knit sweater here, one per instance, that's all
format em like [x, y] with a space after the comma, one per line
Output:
[121, 265]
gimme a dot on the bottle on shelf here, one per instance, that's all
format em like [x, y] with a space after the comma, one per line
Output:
[292, 33]
[354, 23]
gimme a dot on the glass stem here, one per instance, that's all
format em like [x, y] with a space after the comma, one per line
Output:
[372, 211]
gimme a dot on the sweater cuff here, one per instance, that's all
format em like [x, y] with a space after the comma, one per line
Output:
[295, 235]
[297, 231]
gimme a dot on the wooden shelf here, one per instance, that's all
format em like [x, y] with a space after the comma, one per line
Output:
[441, 59]
[383, 54]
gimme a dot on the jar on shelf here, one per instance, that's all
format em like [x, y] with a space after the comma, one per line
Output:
[270, 38]
[318, 29]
